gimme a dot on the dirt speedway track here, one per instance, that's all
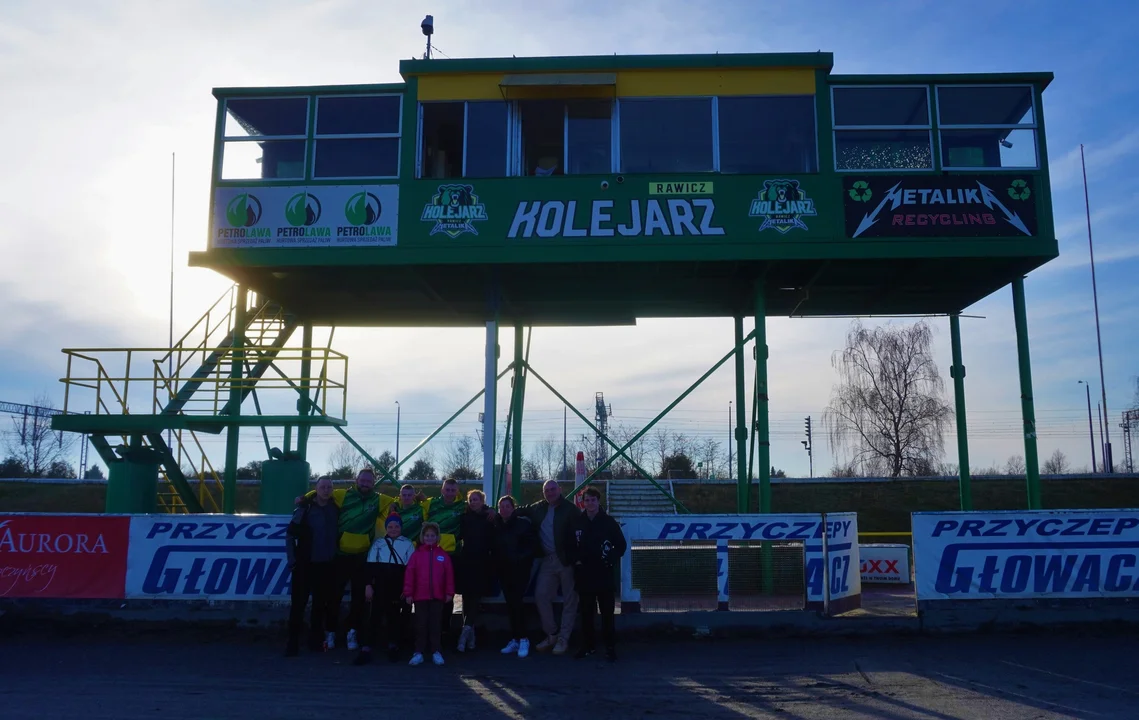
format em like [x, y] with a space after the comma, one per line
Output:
[104, 675]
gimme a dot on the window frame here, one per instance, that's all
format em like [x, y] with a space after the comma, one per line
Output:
[928, 128]
[226, 139]
[510, 122]
[398, 136]
[814, 118]
[714, 125]
[1033, 126]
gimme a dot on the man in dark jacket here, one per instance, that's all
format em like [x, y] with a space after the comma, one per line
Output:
[595, 546]
[551, 518]
[310, 546]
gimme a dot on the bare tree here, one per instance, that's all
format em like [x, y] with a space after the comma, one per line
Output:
[888, 405]
[1015, 465]
[345, 459]
[462, 456]
[661, 444]
[710, 456]
[34, 444]
[548, 456]
[1056, 465]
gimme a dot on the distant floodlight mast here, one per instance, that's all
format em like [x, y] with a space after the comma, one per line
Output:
[428, 28]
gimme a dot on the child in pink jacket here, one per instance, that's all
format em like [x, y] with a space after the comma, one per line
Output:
[428, 584]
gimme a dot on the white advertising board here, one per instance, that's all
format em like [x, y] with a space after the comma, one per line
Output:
[267, 216]
[885, 563]
[1026, 554]
[208, 557]
[841, 530]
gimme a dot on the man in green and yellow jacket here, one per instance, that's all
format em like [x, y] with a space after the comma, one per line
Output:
[361, 513]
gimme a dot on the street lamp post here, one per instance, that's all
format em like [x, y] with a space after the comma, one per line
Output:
[397, 412]
[1091, 431]
[1108, 465]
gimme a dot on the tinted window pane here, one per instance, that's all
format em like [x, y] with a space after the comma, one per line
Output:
[988, 148]
[276, 116]
[666, 136]
[767, 135]
[984, 105]
[882, 149]
[486, 139]
[590, 131]
[442, 140]
[358, 157]
[543, 136]
[881, 106]
[263, 160]
[357, 115]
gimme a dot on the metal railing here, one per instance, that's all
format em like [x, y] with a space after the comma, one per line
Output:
[87, 369]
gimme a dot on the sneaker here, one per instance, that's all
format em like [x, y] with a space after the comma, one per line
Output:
[393, 653]
[511, 647]
[611, 655]
[546, 644]
[329, 641]
[584, 653]
[352, 640]
[523, 648]
[416, 659]
[561, 646]
[437, 658]
[463, 637]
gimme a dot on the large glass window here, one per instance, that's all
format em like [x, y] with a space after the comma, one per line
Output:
[666, 135]
[987, 126]
[357, 136]
[565, 137]
[767, 134]
[463, 139]
[264, 138]
[882, 128]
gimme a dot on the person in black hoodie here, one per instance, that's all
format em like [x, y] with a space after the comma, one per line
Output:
[473, 566]
[595, 546]
[310, 548]
[515, 542]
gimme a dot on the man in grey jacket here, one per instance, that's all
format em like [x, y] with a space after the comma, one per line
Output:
[310, 546]
[552, 518]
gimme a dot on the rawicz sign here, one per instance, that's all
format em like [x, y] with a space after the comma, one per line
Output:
[604, 218]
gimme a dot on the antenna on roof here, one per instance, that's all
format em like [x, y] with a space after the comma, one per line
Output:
[428, 28]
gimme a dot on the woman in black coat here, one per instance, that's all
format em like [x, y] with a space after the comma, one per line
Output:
[473, 563]
[595, 547]
[515, 541]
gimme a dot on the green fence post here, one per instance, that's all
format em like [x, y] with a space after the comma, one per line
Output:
[763, 421]
[957, 372]
[516, 409]
[1027, 408]
[233, 433]
[742, 479]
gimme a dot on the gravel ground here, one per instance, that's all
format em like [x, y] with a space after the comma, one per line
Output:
[108, 674]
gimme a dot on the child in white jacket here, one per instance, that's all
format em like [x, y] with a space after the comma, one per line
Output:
[387, 560]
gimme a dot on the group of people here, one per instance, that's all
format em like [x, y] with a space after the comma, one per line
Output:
[405, 558]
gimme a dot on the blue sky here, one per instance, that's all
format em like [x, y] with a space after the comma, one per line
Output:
[104, 92]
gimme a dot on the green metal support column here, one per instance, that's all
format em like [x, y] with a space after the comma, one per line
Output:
[763, 421]
[516, 431]
[303, 401]
[233, 436]
[1027, 408]
[957, 372]
[742, 479]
